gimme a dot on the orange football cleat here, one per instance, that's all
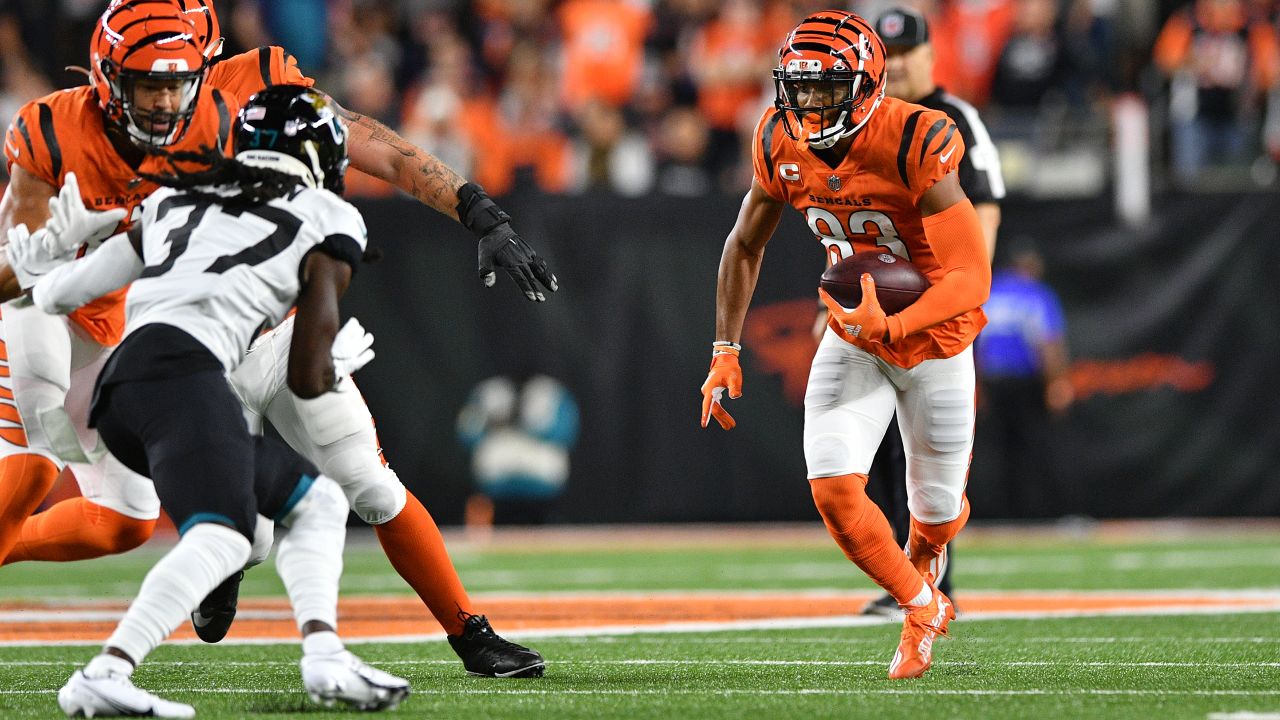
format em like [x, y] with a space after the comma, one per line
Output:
[923, 624]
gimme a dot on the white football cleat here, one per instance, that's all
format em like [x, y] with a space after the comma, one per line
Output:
[115, 696]
[343, 676]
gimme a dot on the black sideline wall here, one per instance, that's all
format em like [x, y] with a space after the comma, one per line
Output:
[1174, 330]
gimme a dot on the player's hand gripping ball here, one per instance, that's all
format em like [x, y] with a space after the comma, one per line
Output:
[898, 282]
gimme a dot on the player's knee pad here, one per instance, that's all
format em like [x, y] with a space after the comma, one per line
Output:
[939, 533]
[828, 454]
[264, 536]
[935, 491]
[374, 490]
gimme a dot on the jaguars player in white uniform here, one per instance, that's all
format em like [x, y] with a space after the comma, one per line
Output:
[211, 264]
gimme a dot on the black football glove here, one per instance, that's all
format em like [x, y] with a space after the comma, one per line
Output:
[500, 246]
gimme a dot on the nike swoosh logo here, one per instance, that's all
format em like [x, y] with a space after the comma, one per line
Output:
[947, 155]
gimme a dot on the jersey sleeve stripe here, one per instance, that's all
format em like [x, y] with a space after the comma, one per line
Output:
[908, 132]
[766, 142]
[946, 140]
[21, 123]
[50, 139]
[933, 131]
[264, 64]
[224, 118]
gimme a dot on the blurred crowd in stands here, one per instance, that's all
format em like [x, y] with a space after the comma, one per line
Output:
[637, 96]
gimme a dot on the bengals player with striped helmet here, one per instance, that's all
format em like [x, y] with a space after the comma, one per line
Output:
[868, 172]
[159, 83]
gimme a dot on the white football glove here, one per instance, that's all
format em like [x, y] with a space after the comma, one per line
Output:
[72, 224]
[352, 350]
[28, 255]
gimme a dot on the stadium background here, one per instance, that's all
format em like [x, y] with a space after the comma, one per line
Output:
[626, 174]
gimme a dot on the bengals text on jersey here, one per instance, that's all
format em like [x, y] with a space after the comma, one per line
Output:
[869, 201]
[65, 132]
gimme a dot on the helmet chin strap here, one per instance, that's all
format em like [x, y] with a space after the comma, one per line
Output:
[827, 138]
[147, 138]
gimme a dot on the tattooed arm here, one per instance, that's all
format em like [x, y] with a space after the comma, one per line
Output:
[379, 151]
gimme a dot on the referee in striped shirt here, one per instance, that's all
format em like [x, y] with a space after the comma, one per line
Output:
[909, 69]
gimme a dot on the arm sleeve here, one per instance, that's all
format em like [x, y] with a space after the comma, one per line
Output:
[76, 283]
[955, 234]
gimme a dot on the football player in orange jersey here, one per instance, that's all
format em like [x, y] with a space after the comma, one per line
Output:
[156, 85]
[868, 172]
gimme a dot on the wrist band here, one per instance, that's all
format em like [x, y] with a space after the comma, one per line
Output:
[725, 347]
[477, 211]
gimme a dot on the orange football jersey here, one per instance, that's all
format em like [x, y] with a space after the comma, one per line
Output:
[64, 132]
[870, 202]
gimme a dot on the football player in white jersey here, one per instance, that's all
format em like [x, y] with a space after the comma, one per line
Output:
[211, 264]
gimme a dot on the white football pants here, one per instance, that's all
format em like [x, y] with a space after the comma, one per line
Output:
[335, 431]
[53, 366]
[852, 396]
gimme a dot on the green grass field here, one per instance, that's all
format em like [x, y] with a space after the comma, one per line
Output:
[1166, 666]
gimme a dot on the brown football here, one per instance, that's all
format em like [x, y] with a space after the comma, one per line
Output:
[898, 282]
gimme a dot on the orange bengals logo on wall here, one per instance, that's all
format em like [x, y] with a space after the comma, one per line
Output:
[780, 338]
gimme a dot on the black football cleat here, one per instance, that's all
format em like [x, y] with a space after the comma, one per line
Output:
[884, 606]
[217, 610]
[485, 653]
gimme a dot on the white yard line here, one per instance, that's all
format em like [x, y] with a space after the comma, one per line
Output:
[718, 662]
[723, 626]
[923, 690]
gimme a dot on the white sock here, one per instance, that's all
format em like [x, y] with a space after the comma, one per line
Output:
[322, 643]
[103, 665]
[923, 597]
[205, 556]
[309, 556]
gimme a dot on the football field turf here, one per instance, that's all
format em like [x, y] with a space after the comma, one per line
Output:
[1131, 621]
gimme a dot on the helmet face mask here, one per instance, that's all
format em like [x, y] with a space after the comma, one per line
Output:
[147, 69]
[293, 129]
[829, 79]
[141, 96]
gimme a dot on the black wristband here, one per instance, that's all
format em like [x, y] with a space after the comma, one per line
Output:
[477, 211]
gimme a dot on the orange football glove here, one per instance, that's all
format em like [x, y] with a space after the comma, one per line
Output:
[725, 373]
[865, 322]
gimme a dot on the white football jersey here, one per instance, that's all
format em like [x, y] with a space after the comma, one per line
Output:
[221, 272]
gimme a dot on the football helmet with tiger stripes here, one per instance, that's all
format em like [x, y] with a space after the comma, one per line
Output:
[147, 63]
[830, 77]
[208, 32]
